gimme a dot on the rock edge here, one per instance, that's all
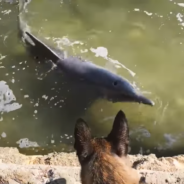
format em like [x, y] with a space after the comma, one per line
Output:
[62, 168]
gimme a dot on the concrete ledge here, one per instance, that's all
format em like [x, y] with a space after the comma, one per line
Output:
[43, 174]
[63, 168]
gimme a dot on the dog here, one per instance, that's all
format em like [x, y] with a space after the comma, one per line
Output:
[104, 160]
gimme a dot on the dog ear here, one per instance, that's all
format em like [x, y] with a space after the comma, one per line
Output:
[119, 135]
[82, 135]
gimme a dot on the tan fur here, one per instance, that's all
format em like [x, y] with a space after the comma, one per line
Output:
[103, 160]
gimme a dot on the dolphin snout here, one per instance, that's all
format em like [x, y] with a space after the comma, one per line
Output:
[131, 94]
[144, 100]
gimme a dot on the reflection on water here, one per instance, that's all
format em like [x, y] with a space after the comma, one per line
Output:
[140, 40]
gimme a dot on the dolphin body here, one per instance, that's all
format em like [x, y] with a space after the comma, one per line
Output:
[110, 86]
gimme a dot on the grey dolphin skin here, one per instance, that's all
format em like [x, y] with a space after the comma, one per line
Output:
[109, 85]
[112, 87]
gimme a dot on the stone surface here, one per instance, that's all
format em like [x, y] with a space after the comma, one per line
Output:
[62, 168]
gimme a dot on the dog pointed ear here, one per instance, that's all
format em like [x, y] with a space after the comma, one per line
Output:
[119, 135]
[82, 135]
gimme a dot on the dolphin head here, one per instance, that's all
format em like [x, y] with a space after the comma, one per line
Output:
[118, 89]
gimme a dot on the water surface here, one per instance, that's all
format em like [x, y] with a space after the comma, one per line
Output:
[140, 40]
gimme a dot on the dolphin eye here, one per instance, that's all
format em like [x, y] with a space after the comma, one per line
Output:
[115, 83]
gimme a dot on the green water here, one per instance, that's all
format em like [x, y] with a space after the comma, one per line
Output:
[139, 39]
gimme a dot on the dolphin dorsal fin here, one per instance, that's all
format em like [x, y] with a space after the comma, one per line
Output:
[50, 53]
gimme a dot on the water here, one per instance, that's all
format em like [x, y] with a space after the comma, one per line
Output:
[140, 40]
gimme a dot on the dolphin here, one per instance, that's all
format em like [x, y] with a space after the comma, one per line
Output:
[110, 86]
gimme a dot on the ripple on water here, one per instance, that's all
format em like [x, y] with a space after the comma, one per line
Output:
[26, 143]
[7, 99]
